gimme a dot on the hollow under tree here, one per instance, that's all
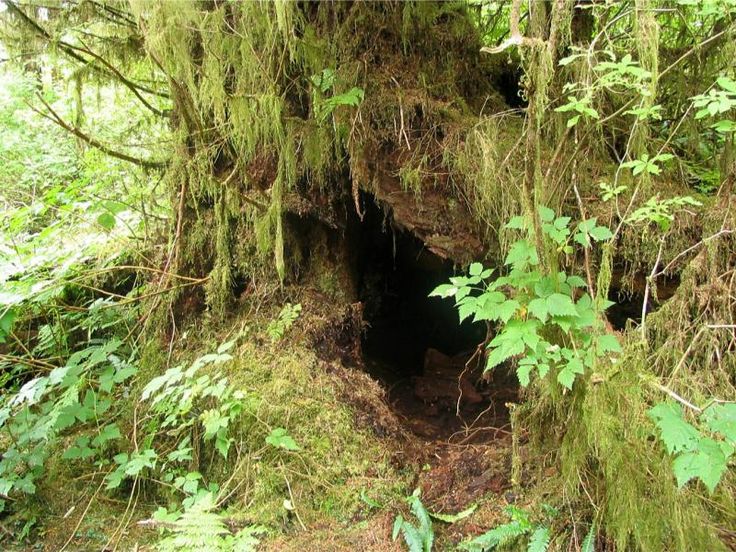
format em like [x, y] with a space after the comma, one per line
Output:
[293, 115]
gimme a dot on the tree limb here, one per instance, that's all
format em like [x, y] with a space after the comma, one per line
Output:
[72, 51]
[55, 118]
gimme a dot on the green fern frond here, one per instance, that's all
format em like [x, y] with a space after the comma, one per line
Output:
[589, 541]
[498, 535]
[246, 539]
[540, 540]
[426, 530]
[195, 531]
[413, 537]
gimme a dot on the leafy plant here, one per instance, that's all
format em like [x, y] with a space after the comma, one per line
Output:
[419, 537]
[279, 438]
[611, 192]
[647, 165]
[199, 528]
[323, 104]
[77, 395]
[700, 452]
[288, 315]
[661, 211]
[541, 324]
[519, 526]
[579, 107]
[718, 101]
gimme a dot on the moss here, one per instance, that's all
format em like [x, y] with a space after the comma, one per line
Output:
[335, 460]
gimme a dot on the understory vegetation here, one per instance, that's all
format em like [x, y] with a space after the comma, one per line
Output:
[367, 275]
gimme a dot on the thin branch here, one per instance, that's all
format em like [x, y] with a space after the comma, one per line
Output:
[55, 118]
[127, 83]
[675, 396]
[651, 280]
[71, 51]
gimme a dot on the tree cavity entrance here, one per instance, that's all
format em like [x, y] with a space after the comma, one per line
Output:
[430, 364]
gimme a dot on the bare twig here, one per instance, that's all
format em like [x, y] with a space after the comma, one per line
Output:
[675, 396]
[650, 282]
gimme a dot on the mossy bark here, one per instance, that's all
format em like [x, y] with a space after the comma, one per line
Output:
[255, 143]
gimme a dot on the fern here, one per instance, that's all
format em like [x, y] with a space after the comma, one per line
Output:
[421, 538]
[199, 529]
[539, 541]
[425, 523]
[589, 541]
[497, 536]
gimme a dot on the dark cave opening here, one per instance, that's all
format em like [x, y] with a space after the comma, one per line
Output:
[628, 298]
[413, 344]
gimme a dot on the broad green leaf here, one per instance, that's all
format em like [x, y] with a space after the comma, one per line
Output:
[707, 462]
[721, 418]
[516, 223]
[523, 372]
[279, 438]
[546, 214]
[609, 344]
[106, 220]
[6, 323]
[444, 290]
[677, 434]
[109, 433]
[504, 352]
[560, 305]
[538, 308]
[601, 233]
[521, 254]
[507, 309]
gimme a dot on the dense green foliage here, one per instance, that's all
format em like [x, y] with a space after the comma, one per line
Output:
[180, 187]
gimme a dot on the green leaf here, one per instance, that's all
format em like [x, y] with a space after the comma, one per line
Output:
[139, 461]
[80, 451]
[721, 418]
[589, 540]
[6, 323]
[281, 439]
[677, 434]
[538, 308]
[507, 309]
[608, 343]
[523, 372]
[109, 433]
[213, 421]
[497, 536]
[444, 290]
[475, 269]
[516, 223]
[560, 305]
[454, 518]
[546, 214]
[576, 281]
[106, 220]
[539, 541]
[504, 352]
[707, 463]
[398, 522]
[566, 376]
[521, 254]
[601, 233]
